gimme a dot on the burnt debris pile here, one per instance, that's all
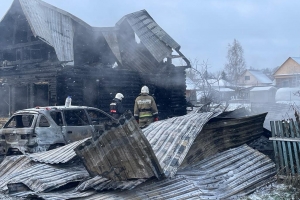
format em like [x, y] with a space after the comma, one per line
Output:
[201, 155]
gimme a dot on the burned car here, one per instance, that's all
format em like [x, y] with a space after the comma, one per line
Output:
[45, 128]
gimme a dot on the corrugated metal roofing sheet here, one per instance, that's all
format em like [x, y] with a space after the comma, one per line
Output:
[60, 155]
[172, 138]
[136, 60]
[232, 173]
[155, 39]
[52, 25]
[120, 153]
[227, 175]
[123, 147]
[44, 177]
[100, 183]
[220, 134]
[12, 165]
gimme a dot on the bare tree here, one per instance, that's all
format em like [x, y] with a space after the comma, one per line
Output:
[199, 74]
[236, 63]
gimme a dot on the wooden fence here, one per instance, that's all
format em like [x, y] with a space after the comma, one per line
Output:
[286, 142]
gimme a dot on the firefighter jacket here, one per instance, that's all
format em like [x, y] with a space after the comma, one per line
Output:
[116, 108]
[145, 106]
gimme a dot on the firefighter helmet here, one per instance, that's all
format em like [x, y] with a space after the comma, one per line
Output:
[119, 96]
[145, 89]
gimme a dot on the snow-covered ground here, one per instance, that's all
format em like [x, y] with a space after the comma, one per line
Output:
[275, 191]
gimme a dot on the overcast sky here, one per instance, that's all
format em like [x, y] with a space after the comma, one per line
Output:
[268, 30]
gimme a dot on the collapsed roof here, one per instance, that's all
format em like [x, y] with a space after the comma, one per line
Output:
[57, 28]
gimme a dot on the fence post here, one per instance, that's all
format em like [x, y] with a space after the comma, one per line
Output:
[275, 147]
[293, 129]
[280, 148]
[285, 128]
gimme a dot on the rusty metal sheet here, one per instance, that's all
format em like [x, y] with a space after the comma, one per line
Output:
[120, 153]
[220, 134]
[60, 155]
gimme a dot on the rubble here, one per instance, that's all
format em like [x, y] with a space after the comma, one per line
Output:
[180, 158]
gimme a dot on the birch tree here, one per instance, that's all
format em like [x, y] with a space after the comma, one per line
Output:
[236, 63]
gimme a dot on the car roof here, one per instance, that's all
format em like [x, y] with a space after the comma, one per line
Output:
[48, 108]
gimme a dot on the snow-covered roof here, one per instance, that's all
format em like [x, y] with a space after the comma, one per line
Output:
[224, 89]
[190, 85]
[287, 95]
[260, 76]
[218, 83]
[262, 88]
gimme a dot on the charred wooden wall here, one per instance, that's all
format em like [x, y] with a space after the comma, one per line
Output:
[28, 86]
[35, 85]
[97, 86]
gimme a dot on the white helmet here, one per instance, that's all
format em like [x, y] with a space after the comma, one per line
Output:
[145, 89]
[119, 96]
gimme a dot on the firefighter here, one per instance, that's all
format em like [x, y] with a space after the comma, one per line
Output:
[116, 106]
[145, 110]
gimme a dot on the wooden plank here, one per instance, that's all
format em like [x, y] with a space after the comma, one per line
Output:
[286, 130]
[284, 149]
[297, 132]
[275, 146]
[279, 148]
[292, 128]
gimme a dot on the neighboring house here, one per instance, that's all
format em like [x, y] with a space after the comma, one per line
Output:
[254, 78]
[288, 74]
[47, 54]
[222, 89]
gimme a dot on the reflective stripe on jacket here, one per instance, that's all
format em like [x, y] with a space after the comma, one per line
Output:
[145, 106]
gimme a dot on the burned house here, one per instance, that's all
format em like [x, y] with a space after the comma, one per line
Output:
[47, 54]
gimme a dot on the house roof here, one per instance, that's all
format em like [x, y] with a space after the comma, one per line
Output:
[218, 83]
[296, 59]
[155, 39]
[56, 27]
[52, 25]
[262, 88]
[260, 76]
